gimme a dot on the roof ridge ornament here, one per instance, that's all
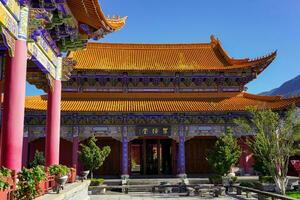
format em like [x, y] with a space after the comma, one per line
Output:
[214, 41]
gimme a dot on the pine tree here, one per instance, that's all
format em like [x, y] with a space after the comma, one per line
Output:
[225, 153]
[91, 156]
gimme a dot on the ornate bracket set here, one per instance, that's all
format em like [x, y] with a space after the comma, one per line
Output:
[50, 30]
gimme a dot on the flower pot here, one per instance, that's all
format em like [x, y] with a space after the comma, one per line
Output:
[61, 181]
[102, 190]
[84, 174]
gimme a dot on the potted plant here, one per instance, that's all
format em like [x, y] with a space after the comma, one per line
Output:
[92, 157]
[5, 174]
[28, 184]
[61, 175]
[94, 186]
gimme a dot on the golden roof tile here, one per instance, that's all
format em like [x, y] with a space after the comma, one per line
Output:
[161, 102]
[162, 57]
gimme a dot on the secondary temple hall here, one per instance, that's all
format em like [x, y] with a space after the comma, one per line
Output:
[160, 107]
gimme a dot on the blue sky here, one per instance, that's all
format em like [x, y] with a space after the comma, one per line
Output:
[246, 28]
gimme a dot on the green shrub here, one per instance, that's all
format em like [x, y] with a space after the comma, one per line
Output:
[233, 179]
[96, 181]
[4, 173]
[248, 184]
[266, 179]
[59, 170]
[91, 156]
[216, 180]
[28, 180]
[225, 153]
[38, 159]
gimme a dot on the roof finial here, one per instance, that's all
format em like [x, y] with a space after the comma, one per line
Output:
[214, 40]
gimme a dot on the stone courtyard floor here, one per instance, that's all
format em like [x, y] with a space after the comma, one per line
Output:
[150, 196]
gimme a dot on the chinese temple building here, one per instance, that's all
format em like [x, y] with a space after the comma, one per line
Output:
[35, 36]
[160, 107]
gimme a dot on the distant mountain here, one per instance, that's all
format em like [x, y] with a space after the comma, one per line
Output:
[287, 89]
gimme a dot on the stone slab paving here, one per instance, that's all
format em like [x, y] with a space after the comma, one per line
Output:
[150, 196]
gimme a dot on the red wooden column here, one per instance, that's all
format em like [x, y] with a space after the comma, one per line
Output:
[25, 149]
[53, 123]
[174, 157]
[2, 66]
[75, 147]
[13, 107]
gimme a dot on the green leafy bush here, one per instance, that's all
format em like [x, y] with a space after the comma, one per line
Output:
[28, 180]
[248, 184]
[59, 170]
[91, 156]
[216, 180]
[225, 153]
[233, 179]
[38, 159]
[266, 179]
[96, 181]
[4, 173]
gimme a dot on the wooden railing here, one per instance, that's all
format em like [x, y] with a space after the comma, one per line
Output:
[261, 194]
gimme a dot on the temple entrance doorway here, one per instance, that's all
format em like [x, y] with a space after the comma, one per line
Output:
[152, 157]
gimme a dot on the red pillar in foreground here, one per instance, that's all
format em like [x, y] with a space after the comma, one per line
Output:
[53, 124]
[13, 107]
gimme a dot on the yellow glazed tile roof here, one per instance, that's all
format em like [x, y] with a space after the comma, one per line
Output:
[161, 102]
[162, 57]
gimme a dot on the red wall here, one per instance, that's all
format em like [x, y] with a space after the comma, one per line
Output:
[65, 157]
[246, 160]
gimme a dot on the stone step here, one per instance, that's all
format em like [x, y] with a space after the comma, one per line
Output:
[153, 181]
[112, 181]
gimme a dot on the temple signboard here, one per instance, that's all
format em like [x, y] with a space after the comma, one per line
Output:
[153, 131]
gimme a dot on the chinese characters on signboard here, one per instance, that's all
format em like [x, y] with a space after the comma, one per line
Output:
[153, 131]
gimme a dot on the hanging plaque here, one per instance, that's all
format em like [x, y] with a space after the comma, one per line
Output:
[153, 131]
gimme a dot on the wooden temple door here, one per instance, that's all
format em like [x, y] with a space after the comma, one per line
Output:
[151, 157]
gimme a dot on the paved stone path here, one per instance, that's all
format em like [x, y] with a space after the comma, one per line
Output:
[150, 196]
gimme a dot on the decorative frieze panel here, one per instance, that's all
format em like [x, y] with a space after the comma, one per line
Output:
[41, 59]
[8, 41]
[100, 131]
[8, 21]
[163, 83]
[66, 132]
[36, 132]
[13, 7]
[206, 130]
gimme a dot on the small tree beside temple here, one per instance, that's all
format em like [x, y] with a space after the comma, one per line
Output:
[274, 142]
[91, 156]
[225, 153]
[38, 159]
